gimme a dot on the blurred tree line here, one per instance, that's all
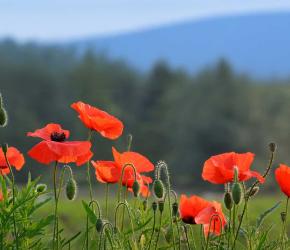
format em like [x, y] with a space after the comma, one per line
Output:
[174, 116]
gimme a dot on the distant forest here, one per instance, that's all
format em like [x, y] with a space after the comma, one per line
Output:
[172, 115]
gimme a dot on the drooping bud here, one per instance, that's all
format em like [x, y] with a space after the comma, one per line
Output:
[154, 206]
[175, 209]
[1, 100]
[158, 189]
[145, 204]
[3, 117]
[236, 174]
[283, 216]
[228, 200]
[252, 192]
[40, 188]
[136, 188]
[4, 148]
[272, 147]
[71, 189]
[161, 206]
[99, 225]
[237, 193]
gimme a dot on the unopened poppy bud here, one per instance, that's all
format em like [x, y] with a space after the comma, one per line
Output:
[272, 147]
[158, 189]
[115, 230]
[99, 225]
[142, 241]
[1, 100]
[161, 206]
[283, 216]
[154, 206]
[237, 192]
[4, 147]
[145, 204]
[3, 117]
[228, 200]
[168, 233]
[71, 189]
[136, 188]
[174, 209]
[40, 188]
[236, 174]
[252, 192]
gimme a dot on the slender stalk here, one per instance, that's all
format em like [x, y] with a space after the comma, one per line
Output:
[158, 233]
[229, 229]
[55, 228]
[284, 225]
[13, 200]
[153, 230]
[185, 231]
[192, 236]
[178, 233]
[107, 194]
[272, 154]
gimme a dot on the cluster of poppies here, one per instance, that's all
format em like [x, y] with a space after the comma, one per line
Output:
[220, 169]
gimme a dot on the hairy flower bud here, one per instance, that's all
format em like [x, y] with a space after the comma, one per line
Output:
[236, 174]
[145, 204]
[136, 188]
[272, 147]
[237, 193]
[3, 117]
[40, 188]
[154, 206]
[99, 225]
[283, 216]
[142, 241]
[158, 189]
[71, 189]
[228, 200]
[161, 206]
[175, 209]
[252, 192]
[4, 148]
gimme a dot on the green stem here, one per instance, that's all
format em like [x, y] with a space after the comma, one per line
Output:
[284, 225]
[158, 233]
[13, 199]
[55, 228]
[229, 229]
[107, 194]
[178, 232]
[153, 230]
[186, 236]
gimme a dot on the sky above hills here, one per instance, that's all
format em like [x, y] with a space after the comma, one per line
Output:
[54, 20]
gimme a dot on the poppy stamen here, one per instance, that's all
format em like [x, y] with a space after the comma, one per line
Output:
[59, 137]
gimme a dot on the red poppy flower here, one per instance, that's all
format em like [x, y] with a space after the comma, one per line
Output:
[282, 174]
[54, 146]
[191, 207]
[219, 169]
[212, 219]
[15, 159]
[111, 171]
[95, 119]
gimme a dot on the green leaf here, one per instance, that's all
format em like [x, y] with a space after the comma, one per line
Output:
[71, 239]
[262, 216]
[92, 217]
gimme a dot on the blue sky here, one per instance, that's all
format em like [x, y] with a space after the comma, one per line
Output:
[50, 20]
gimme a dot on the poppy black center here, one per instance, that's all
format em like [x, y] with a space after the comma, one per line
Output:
[59, 137]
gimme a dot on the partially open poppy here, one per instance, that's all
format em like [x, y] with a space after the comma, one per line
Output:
[282, 174]
[54, 146]
[111, 171]
[219, 169]
[15, 159]
[95, 119]
[191, 207]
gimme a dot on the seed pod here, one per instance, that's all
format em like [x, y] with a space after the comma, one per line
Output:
[154, 206]
[237, 193]
[4, 147]
[236, 175]
[40, 188]
[272, 147]
[161, 206]
[158, 189]
[99, 225]
[252, 192]
[283, 216]
[175, 209]
[136, 188]
[3, 117]
[145, 204]
[71, 189]
[228, 200]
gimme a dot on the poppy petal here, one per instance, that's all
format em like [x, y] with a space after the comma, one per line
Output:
[107, 171]
[45, 133]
